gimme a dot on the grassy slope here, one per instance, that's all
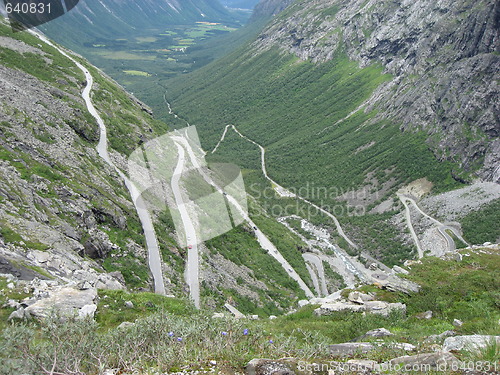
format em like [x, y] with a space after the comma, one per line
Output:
[466, 290]
[127, 124]
[285, 104]
[482, 226]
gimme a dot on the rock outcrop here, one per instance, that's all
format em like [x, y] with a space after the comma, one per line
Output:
[261, 366]
[441, 72]
[471, 343]
[65, 301]
[374, 307]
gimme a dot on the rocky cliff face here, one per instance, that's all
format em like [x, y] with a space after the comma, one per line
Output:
[443, 57]
[64, 213]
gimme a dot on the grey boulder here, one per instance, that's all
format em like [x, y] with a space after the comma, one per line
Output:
[65, 301]
[471, 343]
[261, 366]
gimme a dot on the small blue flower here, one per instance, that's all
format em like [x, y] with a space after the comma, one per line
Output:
[179, 339]
[245, 331]
[271, 342]
[170, 334]
[224, 333]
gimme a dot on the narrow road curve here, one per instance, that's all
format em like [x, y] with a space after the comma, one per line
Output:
[154, 258]
[314, 278]
[263, 240]
[318, 263]
[283, 191]
[309, 258]
[409, 224]
[192, 266]
[348, 267]
[442, 228]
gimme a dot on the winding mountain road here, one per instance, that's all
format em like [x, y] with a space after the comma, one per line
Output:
[410, 225]
[318, 264]
[154, 258]
[283, 192]
[442, 228]
[358, 270]
[192, 266]
[348, 267]
[263, 240]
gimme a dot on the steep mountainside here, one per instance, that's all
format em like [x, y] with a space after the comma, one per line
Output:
[353, 100]
[443, 58]
[66, 215]
[442, 61]
[60, 205]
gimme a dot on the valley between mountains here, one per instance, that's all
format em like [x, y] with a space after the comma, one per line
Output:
[326, 170]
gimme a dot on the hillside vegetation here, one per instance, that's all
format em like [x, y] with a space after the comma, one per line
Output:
[347, 105]
[59, 198]
[168, 334]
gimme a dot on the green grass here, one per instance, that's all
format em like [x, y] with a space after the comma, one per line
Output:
[27, 166]
[137, 73]
[241, 247]
[134, 271]
[337, 328]
[6, 294]
[38, 270]
[375, 231]
[128, 125]
[123, 55]
[334, 281]
[12, 236]
[287, 243]
[34, 64]
[466, 290]
[482, 226]
[112, 310]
